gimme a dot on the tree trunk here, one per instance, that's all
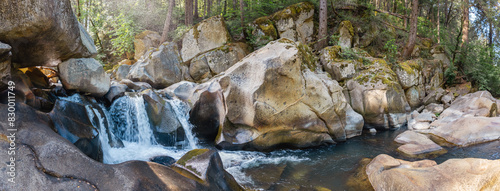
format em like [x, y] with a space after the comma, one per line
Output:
[235, 5]
[242, 18]
[465, 26]
[224, 11]
[405, 13]
[323, 22]
[490, 34]
[78, 9]
[438, 23]
[448, 13]
[188, 12]
[209, 7]
[413, 31]
[168, 21]
[196, 14]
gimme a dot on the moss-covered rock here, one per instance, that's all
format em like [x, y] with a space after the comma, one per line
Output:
[346, 32]
[376, 94]
[262, 31]
[410, 73]
[295, 22]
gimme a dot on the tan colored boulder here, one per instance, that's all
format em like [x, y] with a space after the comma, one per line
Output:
[208, 113]
[376, 94]
[475, 104]
[274, 99]
[468, 131]
[416, 144]
[295, 22]
[387, 173]
[217, 60]
[43, 33]
[206, 35]
[410, 73]
[84, 75]
[160, 67]
[144, 41]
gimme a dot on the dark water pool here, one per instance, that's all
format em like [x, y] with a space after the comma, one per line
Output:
[331, 166]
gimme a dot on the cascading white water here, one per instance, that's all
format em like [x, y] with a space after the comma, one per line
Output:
[182, 113]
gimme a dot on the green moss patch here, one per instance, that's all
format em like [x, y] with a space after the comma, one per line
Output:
[292, 11]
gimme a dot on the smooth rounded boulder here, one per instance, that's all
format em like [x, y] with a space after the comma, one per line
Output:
[275, 100]
[159, 67]
[43, 32]
[85, 75]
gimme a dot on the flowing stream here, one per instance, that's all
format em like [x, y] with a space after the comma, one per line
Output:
[329, 166]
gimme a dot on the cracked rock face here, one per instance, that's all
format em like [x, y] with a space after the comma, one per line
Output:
[273, 99]
[43, 158]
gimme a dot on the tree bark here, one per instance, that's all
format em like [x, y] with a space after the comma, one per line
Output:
[438, 23]
[209, 7]
[413, 30]
[465, 26]
[188, 12]
[448, 13]
[323, 22]
[196, 14]
[168, 21]
[242, 18]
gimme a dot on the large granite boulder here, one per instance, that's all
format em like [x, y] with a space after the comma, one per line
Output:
[205, 166]
[263, 32]
[469, 130]
[206, 35]
[84, 75]
[217, 60]
[478, 104]
[295, 22]
[376, 94]
[47, 160]
[43, 33]
[144, 41]
[158, 67]
[387, 173]
[274, 99]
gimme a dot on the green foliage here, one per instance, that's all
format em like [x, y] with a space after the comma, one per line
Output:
[334, 40]
[479, 66]
[392, 51]
[179, 31]
[351, 54]
[123, 35]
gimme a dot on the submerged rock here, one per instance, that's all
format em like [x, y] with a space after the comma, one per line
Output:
[206, 35]
[84, 75]
[43, 32]
[274, 100]
[376, 94]
[159, 67]
[387, 173]
[205, 166]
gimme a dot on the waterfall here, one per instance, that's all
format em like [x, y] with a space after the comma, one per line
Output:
[181, 110]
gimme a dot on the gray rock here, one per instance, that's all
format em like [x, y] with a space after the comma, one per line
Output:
[84, 75]
[159, 67]
[122, 72]
[43, 33]
[144, 41]
[216, 61]
[116, 90]
[435, 108]
[346, 35]
[4, 48]
[136, 86]
[295, 22]
[354, 123]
